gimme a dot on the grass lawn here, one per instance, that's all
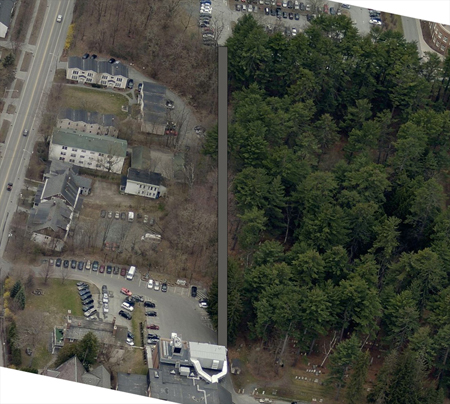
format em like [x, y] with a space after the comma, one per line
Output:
[134, 361]
[138, 316]
[58, 297]
[104, 102]
[41, 358]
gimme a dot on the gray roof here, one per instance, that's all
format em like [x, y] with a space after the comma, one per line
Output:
[92, 118]
[6, 8]
[63, 185]
[116, 69]
[71, 369]
[179, 389]
[87, 141]
[132, 383]
[140, 157]
[154, 102]
[80, 327]
[52, 214]
[98, 377]
[57, 167]
[146, 177]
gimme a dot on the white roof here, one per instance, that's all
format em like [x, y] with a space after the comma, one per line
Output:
[203, 350]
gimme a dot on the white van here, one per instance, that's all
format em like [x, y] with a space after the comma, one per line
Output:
[131, 273]
[130, 216]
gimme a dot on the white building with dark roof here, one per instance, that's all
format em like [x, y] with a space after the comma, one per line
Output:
[144, 183]
[6, 11]
[153, 108]
[92, 71]
[87, 150]
[88, 122]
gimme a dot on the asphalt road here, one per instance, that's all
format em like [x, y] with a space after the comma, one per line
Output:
[18, 148]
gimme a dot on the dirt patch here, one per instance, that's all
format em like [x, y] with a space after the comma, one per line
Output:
[11, 109]
[4, 130]
[103, 102]
[37, 166]
[18, 87]
[22, 22]
[26, 62]
[38, 22]
[392, 22]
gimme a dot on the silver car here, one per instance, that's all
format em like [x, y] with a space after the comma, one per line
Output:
[105, 298]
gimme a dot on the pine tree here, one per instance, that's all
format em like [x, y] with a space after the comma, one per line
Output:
[355, 389]
[15, 289]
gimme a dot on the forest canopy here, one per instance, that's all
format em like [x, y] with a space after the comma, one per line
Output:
[339, 154]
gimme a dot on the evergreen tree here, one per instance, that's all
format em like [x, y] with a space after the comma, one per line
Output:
[355, 393]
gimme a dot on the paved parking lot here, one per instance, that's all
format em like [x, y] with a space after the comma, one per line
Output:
[177, 310]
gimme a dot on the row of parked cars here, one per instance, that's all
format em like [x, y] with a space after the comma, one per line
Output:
[88, 265]
[151, 284]
[375, 17]
[204, 22]
[86, 299]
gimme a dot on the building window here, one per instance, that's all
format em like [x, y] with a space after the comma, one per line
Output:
[98, 165]
[89, 164]
[442, 48]
[80, 162]
[119, 79]
[81, 157]
[90, 74]
[440, 34]
[72, 160]
[83, 151]
[445, 39]
[75, 72]
[64, 147]
[101, 154]
[103, 82]
[104, 77]
[75, 149]
[74, 77]
[73, 155]
[62, 158]
[63, 153]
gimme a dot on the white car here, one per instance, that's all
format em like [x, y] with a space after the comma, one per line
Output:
[105, 298]
[156, 285]
[59, 18]
[244, 7]
[90, 312]
[127, 306]
[150, 284]
[250, 8]
[203, 305]
[308, 7]
[284, 4]
[375, 21]
[88, 264]
[105, 308]
[130, 342]
[294, 31]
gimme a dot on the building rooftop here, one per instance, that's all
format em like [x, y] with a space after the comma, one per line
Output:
[144, 176]
[207, 351]
[86, 141]
[140, 158]
[91, 118]
[6, 7]
[115, 69]
[132, 383]
[54, 215]
[167, 384]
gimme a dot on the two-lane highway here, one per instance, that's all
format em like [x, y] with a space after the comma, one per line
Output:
[18, 148]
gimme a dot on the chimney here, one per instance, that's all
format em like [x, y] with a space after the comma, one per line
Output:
[69, 321]
[114, 321]
[114, 330]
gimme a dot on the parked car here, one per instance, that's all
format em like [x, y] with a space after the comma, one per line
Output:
[150, 284]
[290, 4]
[85, 56]
[103, 214]
[117, 215]
[84, 291]
[130, 300]
[108, 269]
[153, 336]
[153, 327]
[66, 264]
[112, 60]
[51, 262]
[149, 304]
[104, 289]
[73, 264]
[302, 7]
[164, 287]
[347, 6]
[203, 305]
[82, 284]
[102, 269]
[285, 15]
[297, 16]
[94, 56]
[138, 298]
[110, 215]
[130, 84]
[105, 298]
[90, 312]
[151, 313]
[116, 270]
[59, 18]
[82, 287]
[123, 215]
[87, 307]
[194, 291]
[332, 12]
[105, 308]
[156, 285]
[123, 272]
[238, 7]
[125, 291]
[95, 266]
[145, 219]
[291, 16]
[80, 265]
[126, 315]
[152, 341]
[58, 262]
[325, 8]
[88, 265]
[294, 31]
[87, 301]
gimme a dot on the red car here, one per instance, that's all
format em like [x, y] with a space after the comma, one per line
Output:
[325, 8]
[102, 269]
[153, 327]
[123, 271]
[125, 291]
